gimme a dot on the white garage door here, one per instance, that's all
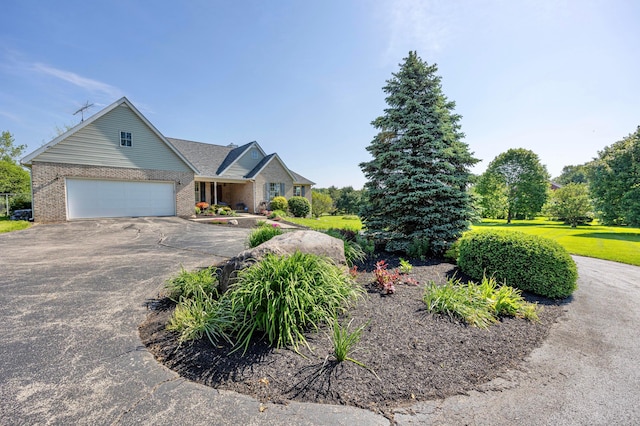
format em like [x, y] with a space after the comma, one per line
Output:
[87, 198]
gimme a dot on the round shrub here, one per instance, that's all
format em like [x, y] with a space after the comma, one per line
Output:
[299, 206]
[528, 262]
[279, 203]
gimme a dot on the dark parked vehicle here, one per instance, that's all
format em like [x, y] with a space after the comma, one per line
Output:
[24, 214]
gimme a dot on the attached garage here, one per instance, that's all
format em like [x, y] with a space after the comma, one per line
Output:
[94, 198]
[113, 164]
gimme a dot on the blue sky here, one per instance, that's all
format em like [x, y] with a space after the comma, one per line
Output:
[305, 78]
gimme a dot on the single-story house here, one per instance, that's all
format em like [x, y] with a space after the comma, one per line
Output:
[117, 164]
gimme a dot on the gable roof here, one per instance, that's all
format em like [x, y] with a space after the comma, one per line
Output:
[264, 162]
[301, 179]
[122, 101]
[235, 155]
[205, 156]
[213, 160]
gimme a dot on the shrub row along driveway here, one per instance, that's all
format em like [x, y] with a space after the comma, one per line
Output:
[72, 295]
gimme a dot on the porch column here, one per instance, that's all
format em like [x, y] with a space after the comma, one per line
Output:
[215, 193]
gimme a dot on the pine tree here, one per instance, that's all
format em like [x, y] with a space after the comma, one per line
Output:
[419, 175]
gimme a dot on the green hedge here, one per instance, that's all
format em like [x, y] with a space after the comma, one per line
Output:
[528, 262]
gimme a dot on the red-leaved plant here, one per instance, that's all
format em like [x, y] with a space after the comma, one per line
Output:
[386, 279]
[353, 272]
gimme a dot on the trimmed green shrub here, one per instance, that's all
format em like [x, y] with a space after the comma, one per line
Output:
[528, 262]
[453, 252]
[299, 206]
[262, 234]
[279, 203]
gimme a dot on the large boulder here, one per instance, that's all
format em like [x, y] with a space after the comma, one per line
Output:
[312, 242]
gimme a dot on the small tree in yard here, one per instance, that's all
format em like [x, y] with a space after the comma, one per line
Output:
[320, 204]
[419, 174]
[570, 203]
[14, 179]
[518, 178]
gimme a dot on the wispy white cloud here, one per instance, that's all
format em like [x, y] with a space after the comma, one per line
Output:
[10, 116]
[78, 80]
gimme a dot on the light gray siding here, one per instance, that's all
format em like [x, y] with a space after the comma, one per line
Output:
[98, 144]
[244, 165]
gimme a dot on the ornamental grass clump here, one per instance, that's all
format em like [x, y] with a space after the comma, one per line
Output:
[263, 234]
[345, 341]
[199, 315]
[478, 305]
[282, 297]
[188, 283]
[353, 252]
[528, 262]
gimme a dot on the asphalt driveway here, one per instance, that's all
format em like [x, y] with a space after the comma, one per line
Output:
[72, 295]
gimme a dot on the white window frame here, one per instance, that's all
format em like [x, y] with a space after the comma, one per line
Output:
[275, 189]
[297, 191]
[126, 139]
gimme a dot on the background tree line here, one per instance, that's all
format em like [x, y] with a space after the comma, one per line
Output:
[516, 185]
[335, 200]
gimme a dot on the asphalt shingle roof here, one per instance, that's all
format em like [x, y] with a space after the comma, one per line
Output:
[206, 157]
[211, 160]
[259, 166]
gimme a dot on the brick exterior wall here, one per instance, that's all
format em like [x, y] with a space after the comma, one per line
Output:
[275, 173]
[49, 196]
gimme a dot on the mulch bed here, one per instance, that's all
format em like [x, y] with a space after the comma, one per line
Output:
[415, 355]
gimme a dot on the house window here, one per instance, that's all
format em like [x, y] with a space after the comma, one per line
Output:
[298, 191]
[254, 154]
[125, 138]
[197, 187]
[275, 190]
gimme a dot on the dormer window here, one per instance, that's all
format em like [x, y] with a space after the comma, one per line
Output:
[125, 138]
[254, 154]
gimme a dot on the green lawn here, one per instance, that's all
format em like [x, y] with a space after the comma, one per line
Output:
[620, 244]
[7, 225]
[327, 222]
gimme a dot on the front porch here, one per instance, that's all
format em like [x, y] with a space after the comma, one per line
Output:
[238, 196]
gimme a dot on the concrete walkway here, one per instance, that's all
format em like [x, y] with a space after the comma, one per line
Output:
[72, 295]
[243, 216]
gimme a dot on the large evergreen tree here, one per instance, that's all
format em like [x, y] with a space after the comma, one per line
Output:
[419, 174]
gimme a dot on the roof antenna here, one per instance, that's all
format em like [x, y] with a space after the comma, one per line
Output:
[86, 106]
